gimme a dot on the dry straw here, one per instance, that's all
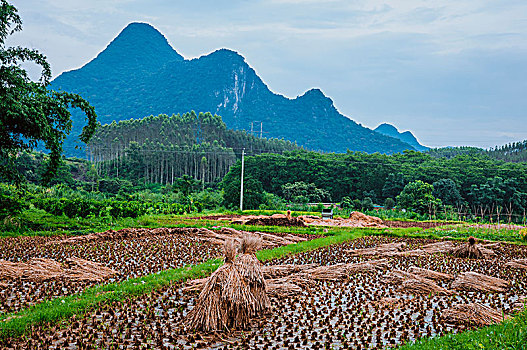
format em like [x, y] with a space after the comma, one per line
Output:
[472, 250]
[250, 269]
[225, 301]
[473, 314]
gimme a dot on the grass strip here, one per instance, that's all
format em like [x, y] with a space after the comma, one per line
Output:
[511, 334]
[52, 311]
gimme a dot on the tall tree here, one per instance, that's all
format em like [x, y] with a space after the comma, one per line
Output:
[30, 112]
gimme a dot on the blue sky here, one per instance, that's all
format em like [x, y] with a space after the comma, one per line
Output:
[452, 72]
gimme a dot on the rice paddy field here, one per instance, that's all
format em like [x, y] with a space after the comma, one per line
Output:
[144, 306]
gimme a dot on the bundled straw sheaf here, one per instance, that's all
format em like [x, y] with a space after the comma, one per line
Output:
[473, 281]
[225, 301]
[473, 314]
[250, 269]
[472, 250]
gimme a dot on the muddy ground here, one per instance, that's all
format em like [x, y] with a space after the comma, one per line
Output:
[342, 314]
[131, 255]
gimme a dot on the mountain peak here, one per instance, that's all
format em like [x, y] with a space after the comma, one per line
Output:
[314, 92]
[386, 128]
[226, 54]
[137, 45]
[407, 136]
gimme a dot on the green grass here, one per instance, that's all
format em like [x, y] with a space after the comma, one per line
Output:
[52, 311]
[510, 334]
[464, 231]
[35, 222]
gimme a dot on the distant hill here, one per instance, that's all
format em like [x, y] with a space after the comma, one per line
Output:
[407, 136]
[140, 74]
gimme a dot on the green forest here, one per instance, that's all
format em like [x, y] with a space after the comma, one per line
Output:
[468, 183]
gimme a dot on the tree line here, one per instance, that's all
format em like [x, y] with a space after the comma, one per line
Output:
[471, 181]
[159, 149]
[515, 152]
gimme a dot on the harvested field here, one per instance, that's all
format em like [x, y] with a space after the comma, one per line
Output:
[131, 253]
[424, 225]
[359, 310]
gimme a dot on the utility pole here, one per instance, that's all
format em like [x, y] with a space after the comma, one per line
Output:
[261, 129]
[252, 128]
[241, 186]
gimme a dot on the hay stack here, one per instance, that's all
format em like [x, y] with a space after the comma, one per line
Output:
[472, 250]
[517, 264]
[423, 286]
[84, 270]
[430, 274]
[250, 269]
[438, 247]
[225, 301]
[473, 314]
[414, 283]
[473, 281]
[366, 220]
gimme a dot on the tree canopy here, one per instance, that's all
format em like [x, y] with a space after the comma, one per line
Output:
[30, 113]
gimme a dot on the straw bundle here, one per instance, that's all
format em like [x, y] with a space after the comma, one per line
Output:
[84, 270]
[368, 266]
[518, 264]
[40, 269]
[195, 285]
[225, 300]
[283, 289]
[430, 274]
[520, 304]
[472, 250]
[439, 247]
[10, 270]
[398, 277]
[250, 270]
[472, 281]
[414, 283]
[423, 286]
[329, 273]
[390, 303]
[473, 314]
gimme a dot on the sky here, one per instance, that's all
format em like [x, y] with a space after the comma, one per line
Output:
[454, 72]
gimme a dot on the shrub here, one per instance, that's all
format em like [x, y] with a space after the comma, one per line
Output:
[367, 204]
[389, 203]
